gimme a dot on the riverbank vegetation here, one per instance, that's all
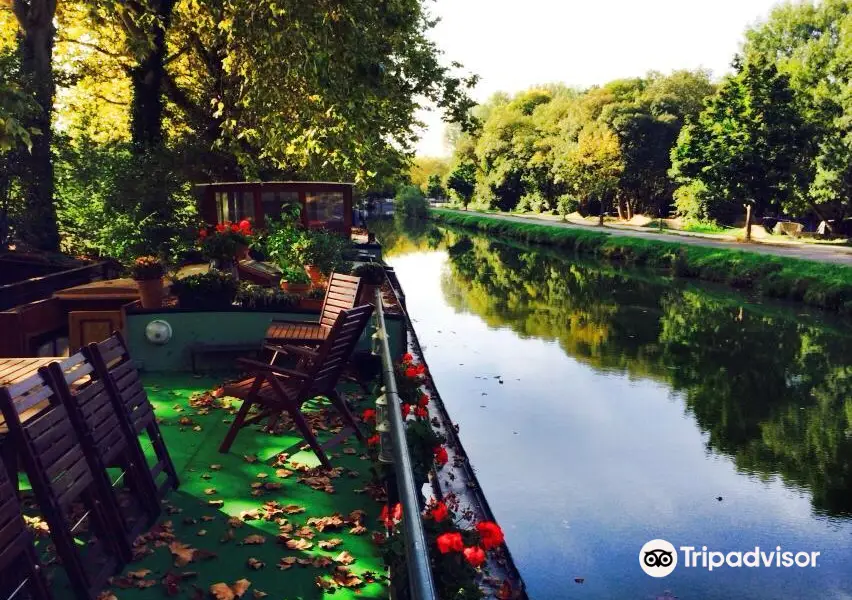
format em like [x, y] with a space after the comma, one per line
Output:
[110, 111]
[826, 286]
[776, 134]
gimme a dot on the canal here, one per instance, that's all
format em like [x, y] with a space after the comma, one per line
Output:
[603, 407]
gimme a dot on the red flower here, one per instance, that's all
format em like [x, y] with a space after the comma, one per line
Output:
[373, 441]
[421, 412]
[411, 372]
[405, 408]
[245, 226]
[441, 456]
[202, 233]
[389, 519]
[450, 542]
[490, 533]
[474, 556]
[439, 512]
[221, 227]
[424, 400]
[235, 228]
[421, 369]
[369, 415]
[407, 358]
[397, 512]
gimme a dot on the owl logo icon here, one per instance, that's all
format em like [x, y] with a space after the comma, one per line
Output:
[658, 558]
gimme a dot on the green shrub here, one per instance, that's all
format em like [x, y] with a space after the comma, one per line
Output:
[294, 274]
[250, 295]
[370, 273]
[214, 290]
[411, 203]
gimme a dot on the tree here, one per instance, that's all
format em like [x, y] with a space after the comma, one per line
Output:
[37, 226]
[462, 182]
[435, 188]
[747, 144]
[424, 167]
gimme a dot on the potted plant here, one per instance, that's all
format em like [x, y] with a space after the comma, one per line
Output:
[214, 290]
[295, 280]
[224, 243]
[372, 277]
[321, 252]
[148, 273]
[255, 296]
[313, 299]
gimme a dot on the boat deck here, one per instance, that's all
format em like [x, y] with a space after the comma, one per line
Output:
[233, 514]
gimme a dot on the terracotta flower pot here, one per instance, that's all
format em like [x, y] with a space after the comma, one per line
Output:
[151, 292]
[315, 274]
[295, 288]
[242, 252]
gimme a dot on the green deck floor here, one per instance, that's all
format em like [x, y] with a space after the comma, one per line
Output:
[194, 448]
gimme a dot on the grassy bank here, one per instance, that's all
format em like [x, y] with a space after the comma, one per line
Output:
[825, 286]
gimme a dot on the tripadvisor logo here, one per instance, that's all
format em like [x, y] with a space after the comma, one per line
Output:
[659, 558]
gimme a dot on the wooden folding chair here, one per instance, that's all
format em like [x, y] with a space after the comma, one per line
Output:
[342, 293]
[133, 504]
[62, 481]
[20, 569]
[278, 389]
[114, 367]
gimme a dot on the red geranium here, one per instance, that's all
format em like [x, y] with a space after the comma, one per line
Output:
[450, 542]
[439, 512]
[441, 456]
[397, 512]
[369, 415]
[421, 412]
[424, 400]
[411, 372]
[202, 233]
[373, 441]
[221, 227]
[405, 408]
[407, 358]
[474, 556]
[245, 227]
[490, 533]
[389, 519]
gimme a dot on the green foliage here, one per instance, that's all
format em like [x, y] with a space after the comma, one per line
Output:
[411, 203]
[214, 290]
[370, 273]
[250, 295]
[434, 187]
[747, 145]
[146, 267]
[294, 274]
[817, 284]
[289, 244]
[462, 181]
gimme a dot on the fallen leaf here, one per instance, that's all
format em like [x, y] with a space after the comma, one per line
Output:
[330, 544]
[346, 579]
[209, 491]
[292, 509]
[262, 475]
[255, 564]
[222, 591]
[253, 540]
[216, 503]
[286, 562]
[140, 574]
[358, 530]
[344, 558]
[259, 594]
[215, 467]
[251, 459]
[299, 544]
[183, 554]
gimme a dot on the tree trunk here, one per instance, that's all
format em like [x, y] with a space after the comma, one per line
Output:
[620, 213]
[629, 209]
[38, 227]
[748, 223]
[146, 108]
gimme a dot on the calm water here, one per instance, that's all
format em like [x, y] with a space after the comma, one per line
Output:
[629, 403]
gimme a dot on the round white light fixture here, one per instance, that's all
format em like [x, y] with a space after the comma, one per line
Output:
[158, 332]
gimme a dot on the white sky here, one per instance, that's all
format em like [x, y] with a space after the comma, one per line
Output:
[514, 44]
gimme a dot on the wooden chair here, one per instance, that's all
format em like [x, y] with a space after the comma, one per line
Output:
[114, 367]
[133, 505]
[62, 481]
[278, 389]
[20, 569]
[342, 293]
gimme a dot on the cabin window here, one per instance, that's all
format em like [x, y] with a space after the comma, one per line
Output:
[245, 206]
[222, 206]
[274, 203]
[324, 208]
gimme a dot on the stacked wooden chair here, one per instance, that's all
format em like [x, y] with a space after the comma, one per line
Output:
[342, 293]
[114, 367]
[108, 440]
[63, 483]
[20, 570]
[276, 390]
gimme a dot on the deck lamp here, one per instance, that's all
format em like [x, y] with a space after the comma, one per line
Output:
[158, 332]
[376, 339]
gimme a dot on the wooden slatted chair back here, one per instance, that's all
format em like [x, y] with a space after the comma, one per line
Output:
[19, 565]
[113, 365]
[108, 441]
[335, 351]
[60, 476]
[342, 293]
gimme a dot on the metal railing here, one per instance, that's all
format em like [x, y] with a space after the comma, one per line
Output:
[421, 584]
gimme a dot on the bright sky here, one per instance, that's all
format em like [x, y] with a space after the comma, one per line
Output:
[515, 44]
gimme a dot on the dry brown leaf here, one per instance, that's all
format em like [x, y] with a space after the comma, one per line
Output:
[222, 591]
[255, 564]
[356, 516]
[272, 485]
[358, 530]
[140, 574]
[240, 587]
[216, 503]
[201, 532]
[299, 544]
[258, 594]
[207, 518]
[292, 509]
[209, 491]
[253, 540]
[346, 579]
[305, 532]
[324, 584]
[235, 522]
[286, 562]
[344, 558]
[262, 475]
[330, 544]
[251, 459]
[183, 554]
[283, 473]
[320, 562]
[215, 467]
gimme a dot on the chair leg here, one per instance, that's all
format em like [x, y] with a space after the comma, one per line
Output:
[162, 452]
[235, 426]
[309, 436]
[340, 404]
